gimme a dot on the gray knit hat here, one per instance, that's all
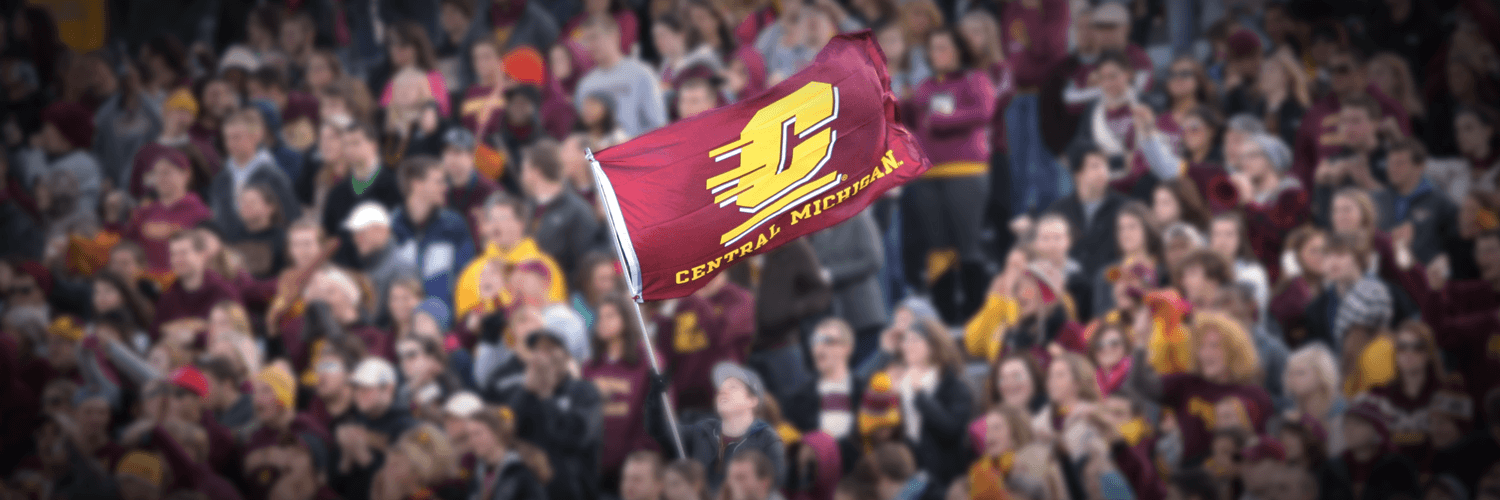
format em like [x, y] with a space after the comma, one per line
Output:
[1367, 304]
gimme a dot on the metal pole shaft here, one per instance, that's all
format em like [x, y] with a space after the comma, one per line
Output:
[666, 402]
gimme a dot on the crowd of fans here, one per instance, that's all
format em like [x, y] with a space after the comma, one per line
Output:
[313, 249]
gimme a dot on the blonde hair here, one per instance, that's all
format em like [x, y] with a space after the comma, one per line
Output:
[1239, 350]
[991, 53]
[343, 281]
[1320, 360]
[1406, 88]
[919, 7]
[430, 453]
[1365, 204]
[1083, 375]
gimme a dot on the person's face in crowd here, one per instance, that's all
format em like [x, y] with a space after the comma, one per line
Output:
[575, 165]
[1062, 387]
[603, 278]
[734, 397]
[1182, 80]
[1111, 348]
[1310, 255]
[1357, 127]
[1016, 386]
[1110, 36]
[92, 415]
[520, 110]
[1249, 159]
[997, 435]
[319, 73]
[185, 404]
[504, 226]
[302, 246]
[1358, 433]
[1212, 362]
[267, 408]
[1164, 207]
[915, 350]
[677, 487]
[62, 353]
[1196, 135]
[1113, 81]
[736, 77]
[293, 37]
[531, 287]
[1302, 380]
[1029, 295]
[892, 42]
[401, 301]
[241, 141]
[330, 147]
[1093, 179]
[358, 150]
[106, 296]
[403, 54]
[694, 99]
[185, 259]
[1273, 78]
[1402, 171]
[831, 349]
[1196, 285]
[254, 209]
[53, 142]
[559, 61]
[1340, 267]
[373, 401]
[1346, 77]
[744, 484]
[371, 238]
[669, 42]
[423, 325]
[1487, 255]
[592, 111]
[219, 99]
[431, 188]
[603, 44]
[170, 182]
[333, 377]
[1224, 238]
[609, 323]
[1411, 353]
[220, 322]
[1473, 135]
[1052, 240]
[415, 364]
[943, 53]
[454, 22]
[458, 164]
[638, 481]
[1130, 234]
[125, 263]
[339, 300]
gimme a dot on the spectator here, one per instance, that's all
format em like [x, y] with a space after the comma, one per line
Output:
[632, 86]
[368, 181]
[182, 306]
[735, 430]
[503, 224]
[63, 146]
[621, 375]
[751, 477]
[1348, 83]
[173, 210]
[426, 232]
[1411, 208]
[248, 162]
[643, 477]
[564, 225]
[380, 256]
[853, 254]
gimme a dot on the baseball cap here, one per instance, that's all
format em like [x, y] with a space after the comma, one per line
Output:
[1111, 13]
[548, 333]
[463, 405]
[459, 138]
[727, 370]
[373, 372]
[365, 214]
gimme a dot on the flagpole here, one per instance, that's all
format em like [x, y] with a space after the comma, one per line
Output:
[606, 195]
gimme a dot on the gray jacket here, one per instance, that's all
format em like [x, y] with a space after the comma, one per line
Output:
[79, 163]
[223, 191]
[852, 254]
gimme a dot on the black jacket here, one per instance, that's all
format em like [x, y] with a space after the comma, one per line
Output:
[515, 481]
[570, 427]
[945, 419]
[703, 442]
[1094, 244]
[566, 229]
[1431, 215]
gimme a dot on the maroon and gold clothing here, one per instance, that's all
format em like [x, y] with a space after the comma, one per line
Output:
[1409, 424]
[702, 333]
[179, 303]
[622, 388]
[1035, 39]
[155, 222]
[482, 105]
[1318, 137]
[1192, 399]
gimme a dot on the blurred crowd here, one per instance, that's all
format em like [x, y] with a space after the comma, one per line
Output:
[1167, 249]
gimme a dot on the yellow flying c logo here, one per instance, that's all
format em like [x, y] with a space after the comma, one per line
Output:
[769, 179]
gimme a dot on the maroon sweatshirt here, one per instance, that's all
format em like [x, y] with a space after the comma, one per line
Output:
[950, 115]
[1035, 40]
[1192, 398]
[1268, 224]
[154, 222]
[622, 387]
[191, 474]
[1464, 320]
[1410, 429]
[178, 303]
[702, 333]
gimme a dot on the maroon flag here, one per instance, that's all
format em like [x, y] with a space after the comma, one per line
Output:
[691, 199]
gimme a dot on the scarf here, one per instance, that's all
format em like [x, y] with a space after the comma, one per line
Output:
[1110, 379]
[1099, 127]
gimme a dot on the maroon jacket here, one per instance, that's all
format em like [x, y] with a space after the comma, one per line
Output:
[191, 474]
[1268, 223]
[1318, 136]
[1035, 40]
[1463, 318]
[958, 133]
[1410, 430]
[702, 333]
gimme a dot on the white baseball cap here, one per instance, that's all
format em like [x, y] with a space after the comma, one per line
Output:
[373, 372]
[365, 214]
[463, 405]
